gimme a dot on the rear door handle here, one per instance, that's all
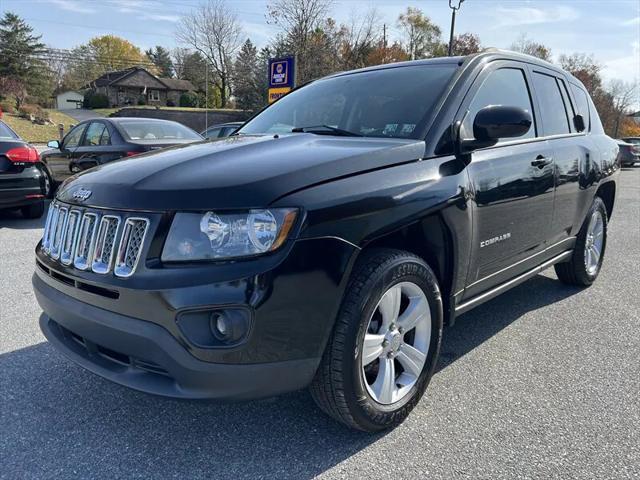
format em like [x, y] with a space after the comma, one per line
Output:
[541, 161]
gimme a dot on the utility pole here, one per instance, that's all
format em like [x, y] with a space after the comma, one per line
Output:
[454, 9]
[384, 42]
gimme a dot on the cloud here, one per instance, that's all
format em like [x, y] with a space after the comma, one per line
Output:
[72, 6]
[631, 22]
[626, 67]
[160, 17]
[514, 16]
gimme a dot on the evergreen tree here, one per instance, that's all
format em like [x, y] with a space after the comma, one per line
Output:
[250, 78]
[161, 58]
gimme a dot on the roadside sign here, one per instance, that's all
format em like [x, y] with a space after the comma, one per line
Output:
[282, 74]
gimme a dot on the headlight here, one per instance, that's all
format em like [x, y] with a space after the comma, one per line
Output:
[211, 235]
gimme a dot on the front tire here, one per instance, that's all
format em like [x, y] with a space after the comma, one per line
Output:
[588, 253]
[385, 344]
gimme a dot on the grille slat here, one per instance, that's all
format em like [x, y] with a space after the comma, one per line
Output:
[88, 240]
[133, 235]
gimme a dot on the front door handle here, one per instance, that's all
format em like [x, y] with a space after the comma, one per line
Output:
[541, 161]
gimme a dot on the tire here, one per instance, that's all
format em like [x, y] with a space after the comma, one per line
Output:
[581, 270]
[341, 386]
[47, 183]
[35, 210]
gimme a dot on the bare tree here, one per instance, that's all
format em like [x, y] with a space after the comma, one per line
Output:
[361, 38]
[303, 23]
[624, 95]
[530, 47]
[213, 30]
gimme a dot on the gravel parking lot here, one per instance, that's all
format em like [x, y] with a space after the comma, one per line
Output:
[541, 382]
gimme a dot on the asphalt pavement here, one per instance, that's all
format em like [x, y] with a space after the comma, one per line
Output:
[542, 382]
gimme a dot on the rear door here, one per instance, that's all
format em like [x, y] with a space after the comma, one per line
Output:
[572, 151]
[98, 146]
[512, 182]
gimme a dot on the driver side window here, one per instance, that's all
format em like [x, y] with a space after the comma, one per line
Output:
[73, 137]
[506, 87]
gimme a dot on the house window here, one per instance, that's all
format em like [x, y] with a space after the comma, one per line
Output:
[154, 95]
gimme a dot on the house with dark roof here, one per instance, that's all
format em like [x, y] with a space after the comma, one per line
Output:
[137, 85]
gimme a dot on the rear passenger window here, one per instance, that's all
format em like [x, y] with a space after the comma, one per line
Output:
[506, 87]
[582, 104]
[554, 116]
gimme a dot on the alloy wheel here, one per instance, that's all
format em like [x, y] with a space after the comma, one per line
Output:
[593, 243]
[396, 343]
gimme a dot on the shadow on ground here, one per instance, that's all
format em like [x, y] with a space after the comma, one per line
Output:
[13, 219]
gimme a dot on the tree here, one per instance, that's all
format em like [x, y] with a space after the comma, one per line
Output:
[101, 55]
[387, 54]
[20, 68]
[213, 30]
[161, 58]
[249, 77]
[525, 45]
[303, 25]
[421, 35]
[623, 96]
[466, 44]
[359, 39]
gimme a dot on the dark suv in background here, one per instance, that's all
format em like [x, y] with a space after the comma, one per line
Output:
[328, 241]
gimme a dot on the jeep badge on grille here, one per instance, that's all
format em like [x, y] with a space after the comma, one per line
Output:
[81, 194]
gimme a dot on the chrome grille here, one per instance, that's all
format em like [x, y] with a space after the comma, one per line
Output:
[105, 244]
[133, 235]
[89, 240]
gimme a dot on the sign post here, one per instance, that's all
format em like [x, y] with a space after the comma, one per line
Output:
[282, 73]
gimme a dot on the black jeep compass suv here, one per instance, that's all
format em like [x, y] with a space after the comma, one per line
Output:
[328, 241]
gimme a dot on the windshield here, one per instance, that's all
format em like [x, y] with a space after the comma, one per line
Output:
[392, 102]
[143, 130]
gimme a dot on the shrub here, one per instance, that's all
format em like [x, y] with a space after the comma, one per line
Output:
[8, 105]
[142, 101]
[95, 100]
[188, 99]
[171, 103]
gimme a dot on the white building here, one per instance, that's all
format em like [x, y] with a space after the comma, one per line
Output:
[69, 100]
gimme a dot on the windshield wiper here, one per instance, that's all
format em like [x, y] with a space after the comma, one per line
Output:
[326, 129]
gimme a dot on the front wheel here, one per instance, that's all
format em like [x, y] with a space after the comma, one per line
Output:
[384, 347]
[588, 253]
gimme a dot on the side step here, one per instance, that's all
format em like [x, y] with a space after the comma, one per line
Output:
[494, 292]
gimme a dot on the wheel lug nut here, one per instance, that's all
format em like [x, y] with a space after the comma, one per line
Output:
[385, 343]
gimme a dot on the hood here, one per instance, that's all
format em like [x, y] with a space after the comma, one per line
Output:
[248, 171]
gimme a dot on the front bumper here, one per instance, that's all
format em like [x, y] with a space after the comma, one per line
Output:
[134, 339]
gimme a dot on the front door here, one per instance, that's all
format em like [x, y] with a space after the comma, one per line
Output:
[512, 185]
[58, 160]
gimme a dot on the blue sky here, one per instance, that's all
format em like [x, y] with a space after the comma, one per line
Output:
[608, 29]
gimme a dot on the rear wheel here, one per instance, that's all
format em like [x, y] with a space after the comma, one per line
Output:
[588, 253]
[385, 344]
[35, 210]
[46, 183]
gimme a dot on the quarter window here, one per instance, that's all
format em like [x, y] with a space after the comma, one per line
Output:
[505, 87]
[582, 104]
[554, 116]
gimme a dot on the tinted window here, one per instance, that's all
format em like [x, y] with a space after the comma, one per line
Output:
[94, 134]
[582, 104]
[506, 87]
[392, 102]
[567, 104]
[554, 116]
[213, 132]
[73, 137]
[143, 130]
[6, 132]
[105, 138]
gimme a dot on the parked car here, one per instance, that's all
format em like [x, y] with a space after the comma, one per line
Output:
[99, 141]
[330, 240]
[24, 181]
[222, 130]
[629, 153]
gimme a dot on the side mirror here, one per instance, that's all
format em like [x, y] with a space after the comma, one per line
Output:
[578, 122]
[495, 122]
[54, 144]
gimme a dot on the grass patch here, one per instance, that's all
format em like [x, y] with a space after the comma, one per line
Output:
[39, 133]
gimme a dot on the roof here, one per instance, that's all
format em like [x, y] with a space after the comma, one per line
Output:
[110, 78]
[177, 84]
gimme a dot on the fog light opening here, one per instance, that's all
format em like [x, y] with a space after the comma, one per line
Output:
[228, 326]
